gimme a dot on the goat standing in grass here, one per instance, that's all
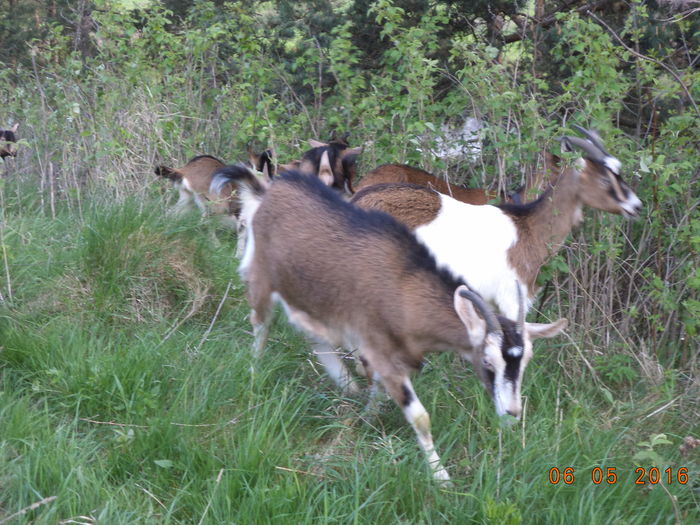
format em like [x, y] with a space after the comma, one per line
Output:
[193, 181]
[512, 241]
[394, 307]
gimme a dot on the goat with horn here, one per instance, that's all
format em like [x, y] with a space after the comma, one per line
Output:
[395, 307]
[496, 245]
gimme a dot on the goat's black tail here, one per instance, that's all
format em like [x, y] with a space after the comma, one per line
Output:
[168, 173]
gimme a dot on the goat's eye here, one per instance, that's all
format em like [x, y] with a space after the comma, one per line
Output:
[486, 364]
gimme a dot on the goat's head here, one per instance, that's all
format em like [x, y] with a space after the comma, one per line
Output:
[505, 349]
[262, 162]
[601, 186]
[333, 163]
[8, 148]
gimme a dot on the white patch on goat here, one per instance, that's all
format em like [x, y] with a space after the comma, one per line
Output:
[248, 252]
[632, 205]
[515, 351]
[613, 164]
[473, 242]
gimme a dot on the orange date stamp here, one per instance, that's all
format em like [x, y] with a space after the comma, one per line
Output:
[608, 475]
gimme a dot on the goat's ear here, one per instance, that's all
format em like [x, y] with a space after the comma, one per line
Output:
[349, 155]
[467, 313]
[253, 159]
[325, 172]
[316, 144]
[545, 330]
[13, 129]
[294, 165]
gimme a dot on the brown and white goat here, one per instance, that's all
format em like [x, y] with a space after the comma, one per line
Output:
[394, 307]
[333, 162]
[512, 241]
[8, 138]
[194, 179]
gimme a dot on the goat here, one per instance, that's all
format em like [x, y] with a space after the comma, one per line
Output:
[333, 162]
[512, 241]
[8, 138]
[404, 174]
[396, 306]
[193, 181]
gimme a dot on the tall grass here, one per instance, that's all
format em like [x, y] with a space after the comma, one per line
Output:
[113, 410]
[125, 387]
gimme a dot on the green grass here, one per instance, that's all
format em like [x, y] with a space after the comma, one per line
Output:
[119, 401]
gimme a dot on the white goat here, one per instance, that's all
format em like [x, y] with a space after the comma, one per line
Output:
[394, 307]
[512, 241]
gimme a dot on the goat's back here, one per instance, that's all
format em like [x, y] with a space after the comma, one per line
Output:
[402, 173]
[351, 268]
[199, 171]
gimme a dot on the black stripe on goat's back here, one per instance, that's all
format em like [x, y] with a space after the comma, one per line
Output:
[372, 222]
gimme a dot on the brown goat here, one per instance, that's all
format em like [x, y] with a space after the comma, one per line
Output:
[193, 181]
[513, 241]
[8, 138]
[404, 174]
[395, 307]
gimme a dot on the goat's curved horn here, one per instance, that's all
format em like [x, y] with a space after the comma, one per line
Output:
[520, 326]
[592, 136]
[590, 149]
[492, 324]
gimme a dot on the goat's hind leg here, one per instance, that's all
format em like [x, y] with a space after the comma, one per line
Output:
[332, 361]
[260, 301]
[182, 202]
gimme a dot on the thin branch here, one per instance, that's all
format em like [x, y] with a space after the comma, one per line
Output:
[111, 423]
[211, 325]
[650, 59]
[27, 509]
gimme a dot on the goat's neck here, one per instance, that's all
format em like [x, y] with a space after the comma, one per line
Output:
[543, 232]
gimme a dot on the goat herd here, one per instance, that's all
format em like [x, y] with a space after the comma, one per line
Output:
[405, 265]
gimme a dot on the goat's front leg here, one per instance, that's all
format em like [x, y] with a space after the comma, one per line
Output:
[401, 390]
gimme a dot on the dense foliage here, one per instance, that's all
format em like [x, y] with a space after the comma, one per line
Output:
[106, 89]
